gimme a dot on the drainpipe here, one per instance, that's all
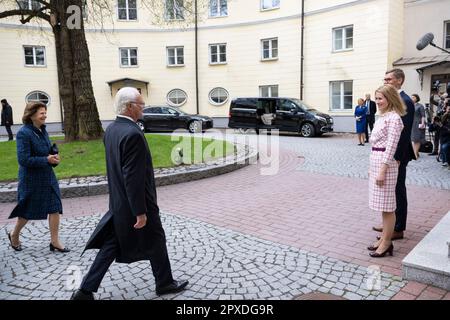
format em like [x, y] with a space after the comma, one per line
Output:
[196, 58]
[301, 50]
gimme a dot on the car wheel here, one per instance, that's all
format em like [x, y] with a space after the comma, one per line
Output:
[194, 126]
[307, 130]
[141, 125]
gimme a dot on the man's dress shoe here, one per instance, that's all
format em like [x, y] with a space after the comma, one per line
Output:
[174, 287]
[80, 295]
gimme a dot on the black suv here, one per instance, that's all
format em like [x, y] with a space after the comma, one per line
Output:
[284, 114]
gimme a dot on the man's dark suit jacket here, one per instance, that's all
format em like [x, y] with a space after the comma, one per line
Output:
[405, 151]
[132, 192]
[372, 111]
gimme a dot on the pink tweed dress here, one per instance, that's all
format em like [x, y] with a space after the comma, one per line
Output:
[385, 135]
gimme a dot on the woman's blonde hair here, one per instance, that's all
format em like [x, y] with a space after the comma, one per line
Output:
[360, 101]
[30, 110]
[395, 102]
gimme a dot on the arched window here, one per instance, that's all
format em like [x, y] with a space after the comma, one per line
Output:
[176, 97]
[218, 96]
[38, 96]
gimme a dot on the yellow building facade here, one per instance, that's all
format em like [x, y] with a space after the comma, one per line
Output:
[243, 48]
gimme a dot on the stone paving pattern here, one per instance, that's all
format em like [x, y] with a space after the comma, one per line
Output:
[320, 213]
[219, 263]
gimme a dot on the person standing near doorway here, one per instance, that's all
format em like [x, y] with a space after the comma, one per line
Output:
[370, 115]
[7, 118]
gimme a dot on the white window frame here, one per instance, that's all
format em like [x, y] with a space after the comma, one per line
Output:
[344, 38]
[30, 4]
[269, 87]
[218, 103]
[217, 45]
[272, 7]
[175, 55]
[35, 65]
[170, 103]
[341, 95]
[37, 92]
[128, 49]
[127, 10]
[174, 12]
[447, 34]
[219, 9]
[271, 57]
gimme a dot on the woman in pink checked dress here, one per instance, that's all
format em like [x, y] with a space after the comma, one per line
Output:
[383, 168]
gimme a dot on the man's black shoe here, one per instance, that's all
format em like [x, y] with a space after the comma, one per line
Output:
[174, 287]
[80, 295]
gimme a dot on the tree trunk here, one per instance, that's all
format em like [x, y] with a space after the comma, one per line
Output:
[81, 118]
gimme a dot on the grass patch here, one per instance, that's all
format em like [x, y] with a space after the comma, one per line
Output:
[80, 159]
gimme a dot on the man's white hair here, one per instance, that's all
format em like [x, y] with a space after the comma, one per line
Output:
[123, 97]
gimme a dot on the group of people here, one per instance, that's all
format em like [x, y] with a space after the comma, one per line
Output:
[440, 128]
[131, 230]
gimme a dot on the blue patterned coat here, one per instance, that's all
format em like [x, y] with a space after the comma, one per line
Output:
[38, 190]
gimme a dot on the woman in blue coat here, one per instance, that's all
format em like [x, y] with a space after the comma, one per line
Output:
[361, 117]
[38, 190]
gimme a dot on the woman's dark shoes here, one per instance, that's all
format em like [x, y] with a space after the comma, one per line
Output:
[389, 250]
[174, 287]
[372, 248]
[18, 247]
[63, 250]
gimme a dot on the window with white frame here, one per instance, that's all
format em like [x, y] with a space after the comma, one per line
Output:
[343, 38]
[176, 97]
[128, 57]
[175, 56]
[29, 4]
[127, 9]
[447, 35]
[218, 8]
[268, 91]
[218, 96]
[174, 9]
[269, 48]
[34, 56]
[341, 95]
[218, 53]
[270, 4]
[38, 96]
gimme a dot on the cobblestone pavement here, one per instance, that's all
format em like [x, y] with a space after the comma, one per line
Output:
[322, 213]
[219, 263]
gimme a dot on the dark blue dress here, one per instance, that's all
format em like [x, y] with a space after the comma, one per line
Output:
[361, 111]
[38, 191]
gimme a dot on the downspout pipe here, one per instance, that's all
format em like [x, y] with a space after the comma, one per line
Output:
[196, 57]
[302, 58]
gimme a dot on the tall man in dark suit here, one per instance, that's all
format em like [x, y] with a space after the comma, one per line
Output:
[370, 116]
[7, 118]
[403, 154]
[131, 230]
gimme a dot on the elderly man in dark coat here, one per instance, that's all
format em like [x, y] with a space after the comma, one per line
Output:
[131, 230]
[7, 118]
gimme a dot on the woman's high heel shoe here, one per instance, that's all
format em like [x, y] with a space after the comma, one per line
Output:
[372, 248]
[63, 250]
[18, 247]
[389, 250]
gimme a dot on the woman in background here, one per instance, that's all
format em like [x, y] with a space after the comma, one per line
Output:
[360, 116]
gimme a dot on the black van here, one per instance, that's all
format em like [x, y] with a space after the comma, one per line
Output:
[284, 114]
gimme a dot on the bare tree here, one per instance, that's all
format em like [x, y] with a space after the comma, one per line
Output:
[81, 118]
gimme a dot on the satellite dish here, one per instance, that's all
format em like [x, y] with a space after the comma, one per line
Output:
[425, 41]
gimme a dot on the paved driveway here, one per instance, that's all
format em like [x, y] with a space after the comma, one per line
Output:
[312, 212]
